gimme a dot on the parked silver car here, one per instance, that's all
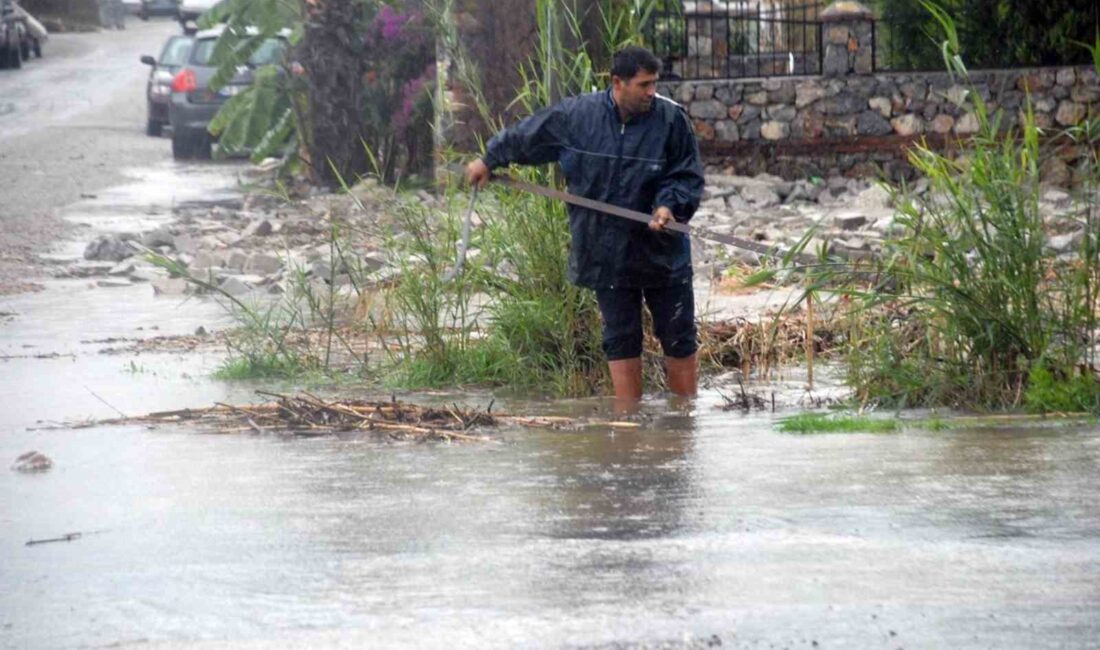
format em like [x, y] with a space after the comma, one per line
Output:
[158, 88]
[193, 104]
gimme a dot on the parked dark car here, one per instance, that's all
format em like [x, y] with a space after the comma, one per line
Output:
[193, 104]
[158, 88]
[158, 8]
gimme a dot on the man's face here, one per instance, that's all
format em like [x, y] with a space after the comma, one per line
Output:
[635, 95]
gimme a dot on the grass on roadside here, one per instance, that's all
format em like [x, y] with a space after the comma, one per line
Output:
[805, 423]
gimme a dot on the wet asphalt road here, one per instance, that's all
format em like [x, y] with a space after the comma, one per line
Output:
[71, 124]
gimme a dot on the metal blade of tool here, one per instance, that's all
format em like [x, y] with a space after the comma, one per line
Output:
[464, 243]
[607, 208]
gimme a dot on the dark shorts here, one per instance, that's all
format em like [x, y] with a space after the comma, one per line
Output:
[673, 311]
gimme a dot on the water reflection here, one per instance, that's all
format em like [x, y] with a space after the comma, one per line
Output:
[622, 483]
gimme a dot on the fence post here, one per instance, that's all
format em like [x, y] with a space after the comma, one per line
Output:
[849, 39]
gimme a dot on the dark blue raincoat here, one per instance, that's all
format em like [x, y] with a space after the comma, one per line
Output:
[648, 162]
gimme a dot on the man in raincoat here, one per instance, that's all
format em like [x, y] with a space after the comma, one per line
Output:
[630, 147]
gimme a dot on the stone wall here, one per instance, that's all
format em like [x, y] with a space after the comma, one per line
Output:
[852, 125]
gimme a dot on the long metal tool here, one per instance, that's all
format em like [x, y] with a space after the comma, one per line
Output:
[634, 215]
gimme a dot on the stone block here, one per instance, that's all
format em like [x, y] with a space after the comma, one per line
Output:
[882, 105]
[784, 94]
[685, 93]
[708, 109]
[728, 94]
[808, 125]
[843, 104]
[837, 35]
[840, 127]
[968, 124]
[780, 112]
[703, 130]
[773, 130]
[807, 93]
[871, 123]
[759, 98]
[942, 124]
[1066, 77]
[1085, 94]
[907, 125]
[726, 131]
[1070, 113]
[1044, 104]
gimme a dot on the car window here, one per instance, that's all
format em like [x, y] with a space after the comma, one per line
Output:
[270, 51]
[175, 51]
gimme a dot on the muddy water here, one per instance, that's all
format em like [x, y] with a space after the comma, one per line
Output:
[698, 528]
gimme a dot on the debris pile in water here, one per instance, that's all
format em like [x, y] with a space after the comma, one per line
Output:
[309, 415]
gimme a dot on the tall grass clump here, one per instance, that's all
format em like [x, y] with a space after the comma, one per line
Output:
[530, 328]
[972, 306]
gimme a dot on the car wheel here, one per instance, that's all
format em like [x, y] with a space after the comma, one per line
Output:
[37, 47]
[181, 146]
[153, 128]
[201, 146]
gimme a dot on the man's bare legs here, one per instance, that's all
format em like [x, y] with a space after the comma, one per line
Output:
[682, 375]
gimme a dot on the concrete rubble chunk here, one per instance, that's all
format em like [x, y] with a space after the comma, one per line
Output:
[111, 248]
[849, 221]
[875, 197]
[113, 283]
[1067, 242]
[236, 260]
[234, 286]
[124, 267]
[32, 462]
[263, 263]
[207, 260]
[759, 196]
[158, 237]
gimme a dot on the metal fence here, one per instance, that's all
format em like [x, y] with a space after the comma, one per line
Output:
[724, 39]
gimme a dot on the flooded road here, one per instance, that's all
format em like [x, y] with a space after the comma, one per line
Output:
[700, 528]
[697, 528]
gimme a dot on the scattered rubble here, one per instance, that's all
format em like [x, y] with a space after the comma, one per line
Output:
[264, 244]
[32, 462]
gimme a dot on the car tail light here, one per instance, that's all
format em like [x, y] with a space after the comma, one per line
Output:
[185, 81]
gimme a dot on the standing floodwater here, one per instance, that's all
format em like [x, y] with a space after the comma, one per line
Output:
[696, 527]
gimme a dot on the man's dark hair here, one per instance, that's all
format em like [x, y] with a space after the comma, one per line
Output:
[632, 58]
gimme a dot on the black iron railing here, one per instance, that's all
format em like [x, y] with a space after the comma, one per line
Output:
[719, 39]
